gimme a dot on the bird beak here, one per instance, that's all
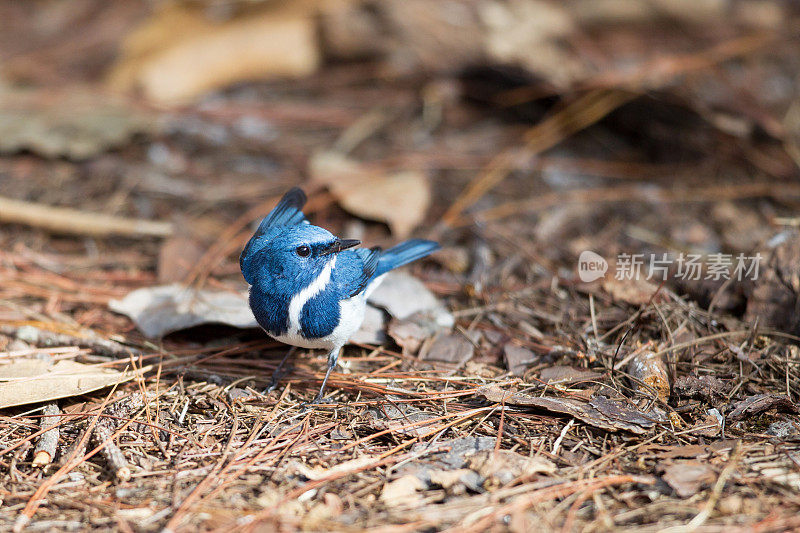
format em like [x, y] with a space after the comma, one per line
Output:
[338, 245]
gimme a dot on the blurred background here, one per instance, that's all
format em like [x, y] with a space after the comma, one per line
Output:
[603, 124]
[141, 140]
[545, 127]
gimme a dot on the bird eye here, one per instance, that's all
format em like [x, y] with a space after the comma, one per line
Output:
[303, 251]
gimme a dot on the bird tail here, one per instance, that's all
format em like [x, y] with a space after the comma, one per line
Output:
[404, 253]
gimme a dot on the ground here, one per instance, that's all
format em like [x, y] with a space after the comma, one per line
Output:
[555, 403]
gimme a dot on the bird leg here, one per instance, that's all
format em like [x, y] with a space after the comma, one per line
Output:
[333, 356]
[278, 373]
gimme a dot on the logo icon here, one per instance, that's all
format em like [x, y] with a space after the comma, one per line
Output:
[591, 266]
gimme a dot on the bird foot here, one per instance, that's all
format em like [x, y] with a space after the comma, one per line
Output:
[316, 401]
[276, 378]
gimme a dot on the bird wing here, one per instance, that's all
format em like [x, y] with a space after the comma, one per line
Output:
[288, 212]
[364, 274]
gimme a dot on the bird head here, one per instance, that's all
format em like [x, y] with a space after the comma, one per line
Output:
[287, 259]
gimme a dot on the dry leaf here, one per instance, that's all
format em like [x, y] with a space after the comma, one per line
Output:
[683, 452]
[688, 477]
[449, 348]
[397, 418]
[448, 479]
[402, 295]
[402, 491]
[501, 467]
[418, 314]
[399, 199]
[758, 403]
[518, 359]
[405, 297]
[408, 335]
[319, 472]
[455, 452]
[631, 291]
[160, 310]
[180, 54]
[530, 33]
[77, 124]
[27, 381]
[600, 412]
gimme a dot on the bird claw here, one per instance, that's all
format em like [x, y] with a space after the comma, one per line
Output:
[279, 372]
[273, 382]
[316, 401]
[305, 406]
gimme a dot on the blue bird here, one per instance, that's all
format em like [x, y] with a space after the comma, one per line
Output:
[309, 288]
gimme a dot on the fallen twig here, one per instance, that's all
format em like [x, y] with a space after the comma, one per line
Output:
[104, 432]
[45, 450]
[43, 334]
[75, 222]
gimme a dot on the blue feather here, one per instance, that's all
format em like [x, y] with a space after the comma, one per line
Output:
[271, 311]
[288, 212]
[320, 315]
[404, 253]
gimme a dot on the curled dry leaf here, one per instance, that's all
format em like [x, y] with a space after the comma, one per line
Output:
[77, 124]
[757, 404]
[403, 295]
[500, 467]
[449, 348]
[25, 381]
[408, 334]
[402, 492]
[649, 369]
[600, 412]
[319, 472]
[400, 199]
[418, 314]
[180, 53]
[633, 292]
[518, 359]
[164, 309]
[688, 477]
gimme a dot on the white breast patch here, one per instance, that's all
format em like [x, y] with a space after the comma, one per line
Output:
[300, 299]
[351, 314]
